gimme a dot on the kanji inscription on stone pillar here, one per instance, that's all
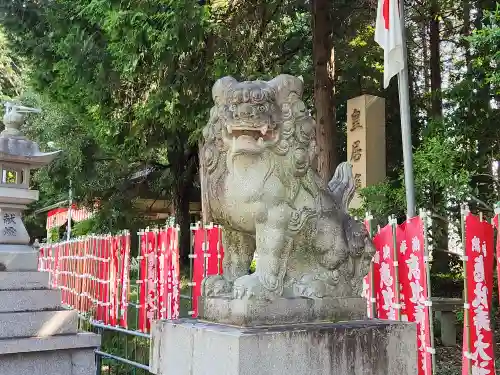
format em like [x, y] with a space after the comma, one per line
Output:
[366, 142]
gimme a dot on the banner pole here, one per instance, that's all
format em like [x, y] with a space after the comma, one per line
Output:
[373, 300]
[464, 212]
[404, 105]
[192, 230]
[219, 244]
[393, 222]
[423, 216]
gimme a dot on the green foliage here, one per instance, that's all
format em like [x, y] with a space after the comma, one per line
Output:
[95, 174]
[447, 285]
[131, 82]
[115, 78]
[54, 235]
[487, 40]
[82, 228]
[437, 167]
[11, 79]
[253, 265]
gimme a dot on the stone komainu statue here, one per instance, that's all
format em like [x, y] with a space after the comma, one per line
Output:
[260, 184]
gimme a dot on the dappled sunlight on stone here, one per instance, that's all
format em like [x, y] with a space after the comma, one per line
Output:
[52, 326]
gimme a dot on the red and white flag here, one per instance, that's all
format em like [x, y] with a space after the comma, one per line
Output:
[478, 340]
[389, 35]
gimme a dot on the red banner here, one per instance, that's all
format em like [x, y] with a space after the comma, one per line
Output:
[151, 278]
[106, 300]
[93, 275]
[414, 290]
[42, 259]
[55, 266]
[125, 276]
[113, 284]
[208, 254]
[73, 269]
[199, 265]
[142, 282]
[496, 223]
[159, 291]
[59, 275]
[174, 275]
[215, 251]
[163, 266]
[478, 338]
[367, 292]
[100, 278]
[384, 274]
[168, 274]
[66, 270]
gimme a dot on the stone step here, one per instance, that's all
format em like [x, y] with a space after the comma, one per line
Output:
[54, 362]
[18, 258]
[29, 300]
[41, 344]
[38, 323]
[24, 280]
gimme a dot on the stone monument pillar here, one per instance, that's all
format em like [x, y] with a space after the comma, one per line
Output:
[37, 336]
[301, 311]
[366, 141]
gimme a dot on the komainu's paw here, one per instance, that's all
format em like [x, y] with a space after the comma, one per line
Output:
[214, 286]
[310, 287]
[248, 286]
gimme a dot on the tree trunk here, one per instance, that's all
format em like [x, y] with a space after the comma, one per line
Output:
[206, 217]
[426, 63]
[435, 62]
[466, 33]
[441, 260]
[324, 71]
[182, 217]
[483, 110]
[184, 167]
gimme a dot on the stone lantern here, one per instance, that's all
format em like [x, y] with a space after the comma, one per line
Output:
[38, 336]
[18, 155]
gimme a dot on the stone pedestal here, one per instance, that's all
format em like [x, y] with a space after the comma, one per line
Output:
[191, 347]
[250, 313]
[38, 336]
[15, 252]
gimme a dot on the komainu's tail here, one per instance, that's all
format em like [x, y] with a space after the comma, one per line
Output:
[342, 185]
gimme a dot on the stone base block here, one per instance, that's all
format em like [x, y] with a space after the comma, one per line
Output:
[60, 362]
[29, 300]
[190, 347]
[24, 280]
[38, 323]
[37, 336]
[248, 313]
[18, 258]
[42, 344]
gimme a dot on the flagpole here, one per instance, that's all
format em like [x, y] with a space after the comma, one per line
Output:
[404, 104]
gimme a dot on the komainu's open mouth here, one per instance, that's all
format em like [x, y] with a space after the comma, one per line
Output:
[264, 132]
[252, 139]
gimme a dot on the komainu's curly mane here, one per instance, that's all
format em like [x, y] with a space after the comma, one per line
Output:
[281, 98]
[258, 162]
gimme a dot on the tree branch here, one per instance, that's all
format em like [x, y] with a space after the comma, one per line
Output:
[286, 55]
[485, 205]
